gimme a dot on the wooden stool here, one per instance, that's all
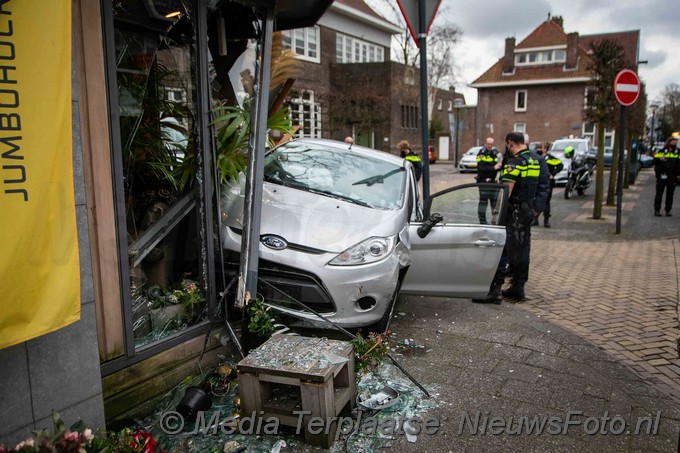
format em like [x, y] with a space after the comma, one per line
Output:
[290, 374]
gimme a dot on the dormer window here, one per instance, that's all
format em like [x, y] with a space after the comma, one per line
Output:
[537, 57]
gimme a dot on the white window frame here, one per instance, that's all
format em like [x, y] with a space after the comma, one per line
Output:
[588, 131]
[288, 42]
[517, 106]
[520, 127]
[349, 49]
[440, 103]
[540, 56]
[305, 112]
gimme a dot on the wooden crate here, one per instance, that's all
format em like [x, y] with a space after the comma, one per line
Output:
[294, 373]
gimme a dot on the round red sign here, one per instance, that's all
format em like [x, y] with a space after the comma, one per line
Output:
[626, 87]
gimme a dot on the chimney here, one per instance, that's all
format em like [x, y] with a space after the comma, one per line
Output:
[509, 57]
[558, 20]
[572, 51]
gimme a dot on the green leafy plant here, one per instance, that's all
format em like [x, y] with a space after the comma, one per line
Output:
[369, 351]
[262, 322]
[232, 132]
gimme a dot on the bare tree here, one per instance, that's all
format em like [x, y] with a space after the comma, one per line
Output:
[441, 43]
[669, 112]
[606, 60]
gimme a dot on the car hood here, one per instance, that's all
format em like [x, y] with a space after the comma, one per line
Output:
[311, 220]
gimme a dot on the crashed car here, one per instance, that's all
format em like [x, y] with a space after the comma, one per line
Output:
[344, 230]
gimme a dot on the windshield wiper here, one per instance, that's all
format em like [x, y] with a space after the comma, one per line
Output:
[339, 196]
[378, 179]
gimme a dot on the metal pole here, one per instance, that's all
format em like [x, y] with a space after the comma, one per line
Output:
[455, 156]
[422, 44]
[247, 285]
[651, 132]
[619, 176]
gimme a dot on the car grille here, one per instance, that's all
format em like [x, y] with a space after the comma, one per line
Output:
[283, 283]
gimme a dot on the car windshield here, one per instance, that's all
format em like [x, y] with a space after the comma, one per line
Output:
[336, 173]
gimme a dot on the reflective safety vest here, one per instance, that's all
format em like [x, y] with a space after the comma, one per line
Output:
[412, 158]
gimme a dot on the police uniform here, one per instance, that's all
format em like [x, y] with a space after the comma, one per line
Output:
[666, 169]
[555, 166]
[524, 171]
[416, 162]
[487, 159]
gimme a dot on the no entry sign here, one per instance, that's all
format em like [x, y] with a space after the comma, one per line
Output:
[626, 87]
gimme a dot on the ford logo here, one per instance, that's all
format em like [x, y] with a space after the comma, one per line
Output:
[274, 242]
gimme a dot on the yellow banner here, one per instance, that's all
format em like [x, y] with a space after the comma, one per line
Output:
[39, 269]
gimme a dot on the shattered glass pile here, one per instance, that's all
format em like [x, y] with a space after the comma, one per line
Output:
[411, 402]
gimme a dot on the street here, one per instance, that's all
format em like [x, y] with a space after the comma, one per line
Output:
[597, 335]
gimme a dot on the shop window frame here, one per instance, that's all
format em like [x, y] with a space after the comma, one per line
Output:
[203, 198]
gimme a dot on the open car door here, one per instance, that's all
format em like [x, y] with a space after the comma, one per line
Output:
[462, 244]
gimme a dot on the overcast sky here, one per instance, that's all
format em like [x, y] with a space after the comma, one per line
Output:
[486, 23]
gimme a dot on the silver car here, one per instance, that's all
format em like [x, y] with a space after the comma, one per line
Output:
[341, 232]
[468, 161]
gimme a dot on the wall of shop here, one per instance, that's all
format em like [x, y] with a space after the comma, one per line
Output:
[58, 371]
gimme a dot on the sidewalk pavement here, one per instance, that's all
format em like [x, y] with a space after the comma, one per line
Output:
[597, 336]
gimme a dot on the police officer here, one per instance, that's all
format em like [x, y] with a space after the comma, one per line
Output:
[521, 174]
[555, 166]
[407, 153]
[667, 171]
[487, 167]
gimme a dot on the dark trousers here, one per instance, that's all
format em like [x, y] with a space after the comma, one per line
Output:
[518, 242]
[546, 211]
[486, 196]
[669, 186]
[516, 253]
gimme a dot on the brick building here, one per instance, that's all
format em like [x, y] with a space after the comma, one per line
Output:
[347, 85]
[540, 86]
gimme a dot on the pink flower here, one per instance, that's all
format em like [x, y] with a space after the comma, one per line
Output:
[68, 435]
[24, 443]
[87, 434]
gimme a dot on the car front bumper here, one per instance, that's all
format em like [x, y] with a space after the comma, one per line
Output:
[349, 296]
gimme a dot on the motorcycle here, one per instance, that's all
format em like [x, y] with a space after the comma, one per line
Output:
[580, 175]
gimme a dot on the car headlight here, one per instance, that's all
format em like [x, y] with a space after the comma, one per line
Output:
[369, 251]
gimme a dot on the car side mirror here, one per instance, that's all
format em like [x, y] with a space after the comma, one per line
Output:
[427, 225]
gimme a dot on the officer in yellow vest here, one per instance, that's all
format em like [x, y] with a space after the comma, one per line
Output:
[407, 153]
[555, 166]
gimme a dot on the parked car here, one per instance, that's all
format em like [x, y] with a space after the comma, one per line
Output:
[608, 153]
[468, 161]
[646, 161]
[580, 145]
[344, 230]
[432, 154]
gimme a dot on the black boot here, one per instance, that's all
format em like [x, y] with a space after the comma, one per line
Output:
[668, 213]
[546, 222]
[535, 222]
[515, 292]
[494, 296]
[657, 213]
